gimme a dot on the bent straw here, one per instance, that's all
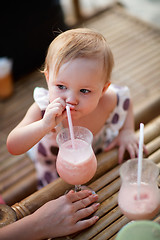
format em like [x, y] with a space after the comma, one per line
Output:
[140, 156]
[70, 125]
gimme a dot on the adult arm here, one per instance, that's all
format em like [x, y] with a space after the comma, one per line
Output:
[60, 217]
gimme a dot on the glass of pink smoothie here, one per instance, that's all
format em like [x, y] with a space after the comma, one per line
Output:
[76, 164]
[148, 203]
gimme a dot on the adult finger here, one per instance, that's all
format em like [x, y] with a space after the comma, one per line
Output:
[80, 225]
[77, 196]
[85, 202]
[85, 212]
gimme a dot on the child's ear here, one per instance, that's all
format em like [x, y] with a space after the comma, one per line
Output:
[46, 73]
[105, 87]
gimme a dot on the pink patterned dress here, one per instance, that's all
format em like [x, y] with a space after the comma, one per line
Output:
[44, 153]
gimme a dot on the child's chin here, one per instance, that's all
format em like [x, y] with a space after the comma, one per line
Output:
[75, 117]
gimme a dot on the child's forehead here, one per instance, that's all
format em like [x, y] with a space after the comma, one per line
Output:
[81, 61]
[81, 70]
[79, 64]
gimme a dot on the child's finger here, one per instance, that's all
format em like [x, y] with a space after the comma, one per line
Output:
[111, 145]
[121, 152]
[59, 100]
[145, 150]
[131, 150]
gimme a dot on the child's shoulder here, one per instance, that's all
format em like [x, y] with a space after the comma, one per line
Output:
[109, 100]
[114, 92]
[115, 96]
[41, 97]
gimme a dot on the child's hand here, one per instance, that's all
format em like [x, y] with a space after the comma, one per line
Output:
[126, 140]
[54, 114]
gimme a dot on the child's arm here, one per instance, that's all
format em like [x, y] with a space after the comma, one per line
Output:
[126, 139]
[33, 128]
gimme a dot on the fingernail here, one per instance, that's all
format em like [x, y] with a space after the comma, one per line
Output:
[95, 196]
[90, 192]
[96, 204]
[96, 217]
[71, 191]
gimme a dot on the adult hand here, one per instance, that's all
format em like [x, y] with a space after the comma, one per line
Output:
[66, 215]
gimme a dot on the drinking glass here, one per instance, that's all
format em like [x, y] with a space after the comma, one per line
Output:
[76, 164]
[140, 230]
[148, 203]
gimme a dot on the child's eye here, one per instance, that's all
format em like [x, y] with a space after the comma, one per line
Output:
[85, 91]
[62, 87]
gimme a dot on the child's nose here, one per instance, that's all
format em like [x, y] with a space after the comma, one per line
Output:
[72, 99]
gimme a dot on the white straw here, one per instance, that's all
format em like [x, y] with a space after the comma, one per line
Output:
[70, 125]
[140, 156]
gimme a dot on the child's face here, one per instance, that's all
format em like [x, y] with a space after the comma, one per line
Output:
[80, 83]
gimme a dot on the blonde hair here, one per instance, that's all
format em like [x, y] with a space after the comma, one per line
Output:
[79, 43]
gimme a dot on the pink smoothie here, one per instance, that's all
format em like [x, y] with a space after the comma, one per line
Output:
[76, 166]
[145, 208]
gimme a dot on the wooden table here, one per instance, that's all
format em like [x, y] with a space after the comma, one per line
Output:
[106, 184]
